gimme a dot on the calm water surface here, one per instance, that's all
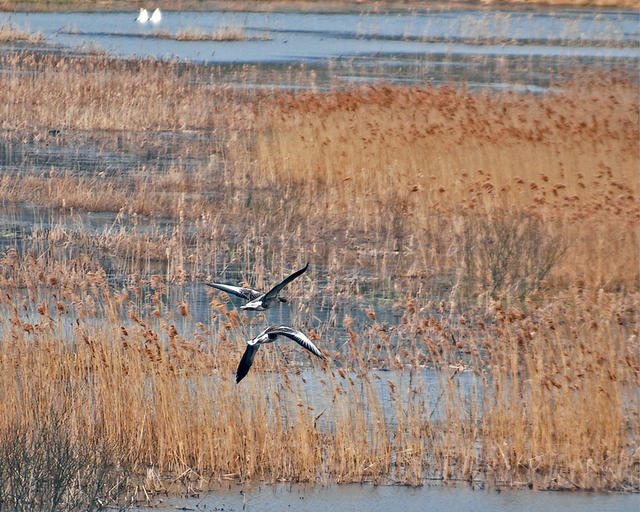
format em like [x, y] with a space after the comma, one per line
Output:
[356, 498]
[482, 47]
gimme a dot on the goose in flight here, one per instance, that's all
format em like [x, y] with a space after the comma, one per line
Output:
[259, 301]
[143, 16]
[156, 16]
[269, 335]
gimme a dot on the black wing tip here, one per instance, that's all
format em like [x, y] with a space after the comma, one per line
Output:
[241, 373]
[319, 354]
[245, 363]
[301, 271]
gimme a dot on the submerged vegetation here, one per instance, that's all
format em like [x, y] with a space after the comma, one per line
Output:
[498, 231]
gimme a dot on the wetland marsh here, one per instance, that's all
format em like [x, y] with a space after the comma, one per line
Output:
[487, 48]
[473, 278]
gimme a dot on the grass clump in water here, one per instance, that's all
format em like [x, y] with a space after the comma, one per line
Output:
[10, 33]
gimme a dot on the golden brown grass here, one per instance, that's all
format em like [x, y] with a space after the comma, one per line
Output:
[502, 229]
[416, 154]
[102, 101]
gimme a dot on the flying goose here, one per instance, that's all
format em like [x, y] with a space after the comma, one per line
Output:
[259, 301]
[143, 16]
[269, 335]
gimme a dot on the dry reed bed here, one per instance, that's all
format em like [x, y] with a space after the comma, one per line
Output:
[405, 184]
[553, 400]
[375, 170]
[400, 157]
[101, 93]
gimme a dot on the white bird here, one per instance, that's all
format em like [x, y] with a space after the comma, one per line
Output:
[156, 16]
[259, 301]
[143, 16]
[269, 335]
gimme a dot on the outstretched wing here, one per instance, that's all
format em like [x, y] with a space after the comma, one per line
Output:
[297, 336]
[246, 361]
[245, 293]
[271, 294]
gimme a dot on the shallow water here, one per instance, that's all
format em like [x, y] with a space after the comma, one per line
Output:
[486, 48]
[355, 498]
